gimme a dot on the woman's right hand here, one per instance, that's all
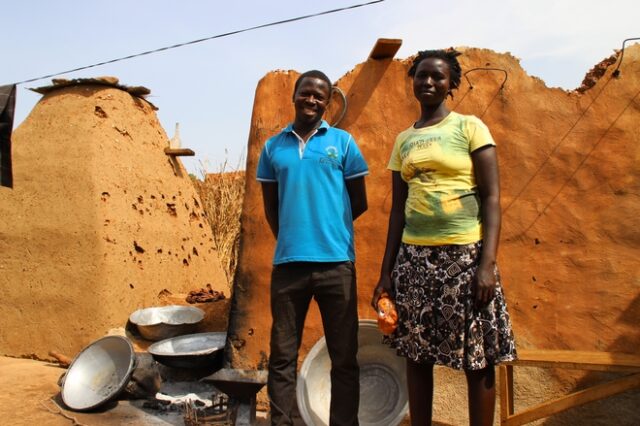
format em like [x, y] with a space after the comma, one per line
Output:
[383, 286]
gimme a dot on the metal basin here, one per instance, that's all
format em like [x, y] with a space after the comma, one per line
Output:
[383, 390]
[200, 350]
[98, 373]
[163, 322]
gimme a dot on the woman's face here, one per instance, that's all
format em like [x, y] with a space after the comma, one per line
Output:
[431, 82]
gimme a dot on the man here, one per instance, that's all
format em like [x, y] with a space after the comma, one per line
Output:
[313, 188]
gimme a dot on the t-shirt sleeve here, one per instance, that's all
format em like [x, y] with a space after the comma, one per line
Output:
[477, 133]
[395, 162]
[265, 172]
[354, 163]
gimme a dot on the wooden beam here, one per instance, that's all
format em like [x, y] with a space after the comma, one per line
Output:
[575, 399]
[579, 360]
[179, 152]
[385, 48]
[506, 392]
[367, 79]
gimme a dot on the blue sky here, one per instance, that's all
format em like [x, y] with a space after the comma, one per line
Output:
[209, 87]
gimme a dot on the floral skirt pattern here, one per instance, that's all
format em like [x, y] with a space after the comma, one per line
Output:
[437, 320]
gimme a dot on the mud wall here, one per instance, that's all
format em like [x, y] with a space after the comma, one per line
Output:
[570, 186]
[100, 222]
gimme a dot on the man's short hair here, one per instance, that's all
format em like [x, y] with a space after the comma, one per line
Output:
[314, 74]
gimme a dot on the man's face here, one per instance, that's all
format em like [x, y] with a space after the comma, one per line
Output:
[311, 100]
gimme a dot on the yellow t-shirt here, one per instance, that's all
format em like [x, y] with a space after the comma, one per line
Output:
[442, 206]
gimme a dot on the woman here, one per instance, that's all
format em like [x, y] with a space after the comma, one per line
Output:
[440, 258]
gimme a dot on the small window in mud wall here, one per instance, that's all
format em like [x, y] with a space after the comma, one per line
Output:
[7, 106]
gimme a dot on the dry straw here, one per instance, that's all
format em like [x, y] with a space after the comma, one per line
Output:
[222, 194]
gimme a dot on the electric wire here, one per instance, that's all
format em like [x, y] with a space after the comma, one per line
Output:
[584, 159]
[506, 75]
[616, 72]
[504, 81]
[149, 52]
[554, 149]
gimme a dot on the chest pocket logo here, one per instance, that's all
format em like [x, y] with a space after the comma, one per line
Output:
[333, 157]
[332, 152]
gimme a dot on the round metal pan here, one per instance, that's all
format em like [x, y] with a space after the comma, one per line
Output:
[98, 373]
[200, 350]
[163, 322]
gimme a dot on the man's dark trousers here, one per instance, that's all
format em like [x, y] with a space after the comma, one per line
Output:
[333, 285]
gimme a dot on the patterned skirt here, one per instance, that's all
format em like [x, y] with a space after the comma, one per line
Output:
[437, 320]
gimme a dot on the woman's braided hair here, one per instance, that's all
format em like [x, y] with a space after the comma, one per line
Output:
[450, 56]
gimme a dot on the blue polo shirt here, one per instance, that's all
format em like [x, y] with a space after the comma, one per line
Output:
[315, 221]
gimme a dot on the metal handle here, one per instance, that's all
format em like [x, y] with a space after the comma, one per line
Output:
[486, 69]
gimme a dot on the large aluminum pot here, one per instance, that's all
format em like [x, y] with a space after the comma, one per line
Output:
[163, 322]
[383, 388]
[98, 373]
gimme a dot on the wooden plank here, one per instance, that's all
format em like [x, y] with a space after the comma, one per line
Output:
[506, 392]
[385, 48]
[579, 360]
[575, 399]
[179, 152]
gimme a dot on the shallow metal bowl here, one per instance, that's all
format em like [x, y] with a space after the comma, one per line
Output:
[163, 322]
[238, 383]
[98, 373]
[383, 390]
[200, 350]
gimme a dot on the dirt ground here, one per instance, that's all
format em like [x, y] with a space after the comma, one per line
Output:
[25, 392]
[29, 391]
[29, 395]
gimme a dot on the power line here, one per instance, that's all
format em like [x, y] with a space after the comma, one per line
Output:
[271, 24]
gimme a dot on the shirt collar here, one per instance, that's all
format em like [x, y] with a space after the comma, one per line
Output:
[323, 126]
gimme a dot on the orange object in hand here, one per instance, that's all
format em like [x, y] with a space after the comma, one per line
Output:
[387, 315]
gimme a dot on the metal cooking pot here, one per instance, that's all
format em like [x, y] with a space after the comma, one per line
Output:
[98, 373]
[163, 322]
[200, 350]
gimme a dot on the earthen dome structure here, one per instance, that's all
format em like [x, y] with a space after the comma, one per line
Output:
[100, 221]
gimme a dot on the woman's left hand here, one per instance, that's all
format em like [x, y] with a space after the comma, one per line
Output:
[485, 285]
